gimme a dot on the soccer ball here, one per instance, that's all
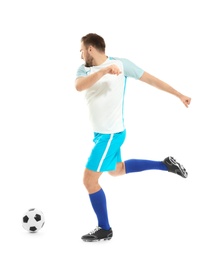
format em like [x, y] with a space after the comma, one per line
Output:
[33, 220]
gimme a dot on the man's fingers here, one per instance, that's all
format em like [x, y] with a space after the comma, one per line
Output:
[116, 71]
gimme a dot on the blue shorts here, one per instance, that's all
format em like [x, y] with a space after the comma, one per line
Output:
[106, 152]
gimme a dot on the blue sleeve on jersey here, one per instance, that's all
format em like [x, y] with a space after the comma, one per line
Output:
[130, 69]
[81, 72]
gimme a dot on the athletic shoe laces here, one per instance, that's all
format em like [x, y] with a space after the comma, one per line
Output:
[94, 231]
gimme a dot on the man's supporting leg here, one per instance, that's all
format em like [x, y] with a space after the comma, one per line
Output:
[97, 197]
[98, 201]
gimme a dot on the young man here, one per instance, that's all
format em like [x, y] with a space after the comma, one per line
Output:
[104, 80]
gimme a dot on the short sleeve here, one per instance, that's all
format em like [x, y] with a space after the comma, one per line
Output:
[130, 68]
[81, 72]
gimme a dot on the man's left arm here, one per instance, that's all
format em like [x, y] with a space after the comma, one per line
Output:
[155, 82]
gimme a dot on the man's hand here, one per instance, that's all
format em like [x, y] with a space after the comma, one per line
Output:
[113, 69]
[185, 100]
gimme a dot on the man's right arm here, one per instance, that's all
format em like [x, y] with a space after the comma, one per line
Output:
[82, 83]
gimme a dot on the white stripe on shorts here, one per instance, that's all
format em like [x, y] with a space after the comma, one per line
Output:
[105, 152]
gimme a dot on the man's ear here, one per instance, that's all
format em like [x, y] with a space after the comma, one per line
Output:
[90, 48]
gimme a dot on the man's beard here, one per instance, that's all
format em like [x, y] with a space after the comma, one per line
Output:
[89, 61]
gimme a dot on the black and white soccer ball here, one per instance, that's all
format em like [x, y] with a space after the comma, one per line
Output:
[33, 220]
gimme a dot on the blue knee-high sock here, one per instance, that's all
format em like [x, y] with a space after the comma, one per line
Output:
[98, 201]
[136, 165]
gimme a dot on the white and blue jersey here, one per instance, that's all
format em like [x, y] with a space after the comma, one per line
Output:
[105, 99]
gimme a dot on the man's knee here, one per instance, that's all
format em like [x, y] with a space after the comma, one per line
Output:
[120, 170]
[90, 180]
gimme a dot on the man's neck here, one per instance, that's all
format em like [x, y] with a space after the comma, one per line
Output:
[100, 59]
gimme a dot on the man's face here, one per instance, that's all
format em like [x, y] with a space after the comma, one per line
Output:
[85, 55]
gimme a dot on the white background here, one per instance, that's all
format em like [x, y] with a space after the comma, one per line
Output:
[45, 136]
